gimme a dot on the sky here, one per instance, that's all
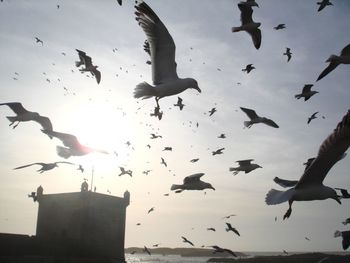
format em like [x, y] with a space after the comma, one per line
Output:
[107, 116]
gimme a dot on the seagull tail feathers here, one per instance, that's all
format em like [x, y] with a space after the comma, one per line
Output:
[144, 90]
[298, 96]
[11, 119]
[176, 187]
[275, 197]
[236, 29]
[63, 152]
[247, 124]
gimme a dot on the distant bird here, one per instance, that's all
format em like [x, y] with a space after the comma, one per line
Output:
[248, 68]
[44, 166]
[227, 217]
[230, 228]
[145, 249]
[154, 136]
[194, 160]
[218, 249]
[157, 113]
[211, 229]
[344, 193]
[146, 172]
[306, 93]
[254, 118]
[310, 186]
[250, 3]
[163, 162]
[212, 111]
[185, 240]
[346, 238]
[285, 252]
[288, 54]
[346, 221]
[248, 25]
[123, 171]
[87, 62]
[73, 146]
[167, 149]
[244, 166]
[335, 60]
[192, 182]
[179, 103]
[313, 116]
[38, 40]
[156, 245]
[150, 210]
[81, 168]
[222, 136]
[24, 115]
[218, 151]
[162, 51]
[280, 26]
[323, 4]
[306, 238]
[34, 196]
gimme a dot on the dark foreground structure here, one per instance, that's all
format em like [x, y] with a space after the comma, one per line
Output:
[71, 227]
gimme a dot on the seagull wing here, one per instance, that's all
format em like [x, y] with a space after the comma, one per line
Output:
[162, 46]
[256, 37]
[246, 13]
[82, 56]
[66, 162]
[345, 51]
[331, 67]
[16, 107]
[97, 75]
[193, 178]
[285, 183]
[270, 122]
[330, 152]
[68, 140]
[251, 113]
[24, 166]
[307, 88]
[44, 122]
[244, 162]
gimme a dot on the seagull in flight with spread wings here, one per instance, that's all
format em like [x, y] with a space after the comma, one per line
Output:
[323, 4]
[87, 62]
[310, 185]
[244, 166]
[254, 118]
[248, 25]
[192, 182]
[24, 115]
[335, 60]
[73, 146]
[162, 49]
[306, 93]
[44, 166]
[185, 240]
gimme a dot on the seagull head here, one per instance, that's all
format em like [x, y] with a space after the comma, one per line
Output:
[209, 186]
[332, 58]
[192, 84]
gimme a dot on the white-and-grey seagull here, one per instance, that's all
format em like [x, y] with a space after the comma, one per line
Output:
[244, 166]
[255, 118]
[323, 4]
[288, 54]
[310, 186]
[248, 25]
[162, 48]
[87, 62]
[335, 60]
[192, 182]
[44, 166]
[280, 26]
[306, 93]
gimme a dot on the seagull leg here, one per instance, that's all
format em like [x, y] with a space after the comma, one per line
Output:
[289, 211]
[14, 125]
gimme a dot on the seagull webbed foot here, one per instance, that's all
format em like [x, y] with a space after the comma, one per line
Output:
[288, 213]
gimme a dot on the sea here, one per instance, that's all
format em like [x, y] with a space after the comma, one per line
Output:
[157, 258]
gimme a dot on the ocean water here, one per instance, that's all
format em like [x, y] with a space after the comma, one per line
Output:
[157, 258]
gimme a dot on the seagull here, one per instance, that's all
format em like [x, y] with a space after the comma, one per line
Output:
[230, 228]
[193, 182]
[254, 118]
[146, 172]
[323, 4]
[156, 245]
[310, 185]
[347, 221]
[248, 68]
[44, 166]
[38, 40]
[306, 93]
[211, 229]
[87, 62]
[194, 160]
[167, 149]
[73, 146]
[123, 171]
[218, 249]
[222, 136]
[244, 166]
[163, 162]
[288, 53]
[185, 240]
[335, 60]
[248, 24]
[179, 103]
[218, 151]
[81, 168]
[313, 116]
[150, 210]
[227, 217]
[306, 238]
[346, 238]
[280, 26]
[162, 49]
[24, 115]
[154, 136]
[145, 249]
[212, 111]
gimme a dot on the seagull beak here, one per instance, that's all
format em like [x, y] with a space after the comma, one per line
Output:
[198, 89]
[212, 188]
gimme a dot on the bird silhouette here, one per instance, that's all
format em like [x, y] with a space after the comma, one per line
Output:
[44, 166]
[230, 228]
[87, 62]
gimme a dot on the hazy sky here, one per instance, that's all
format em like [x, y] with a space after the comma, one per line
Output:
[107, 116]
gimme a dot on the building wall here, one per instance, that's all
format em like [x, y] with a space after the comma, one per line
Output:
[95, 221]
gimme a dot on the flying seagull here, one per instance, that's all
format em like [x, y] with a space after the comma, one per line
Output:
[280, 26]
[222, 136]
[179, 103]
[218, 249]
[194, 160]
[248, 68]
[145, 249]
[335, 60]
[87, 62]
[150, 210]
[212, 111]
[162, 49]
[230, 228]
[123, 171]
[211, 229]
[192, 182]
[38, 40]
[163, 162]
[228, 216]
[288, 54]
[346, 238]
[73, 146]
[323, 4]
[248, 25]
[185, 240]
[44, 166]
[218, 151]
[306, 93]
[313, 116]
[254, 118]
[24, 115]
[310, 185]
[244, 166]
